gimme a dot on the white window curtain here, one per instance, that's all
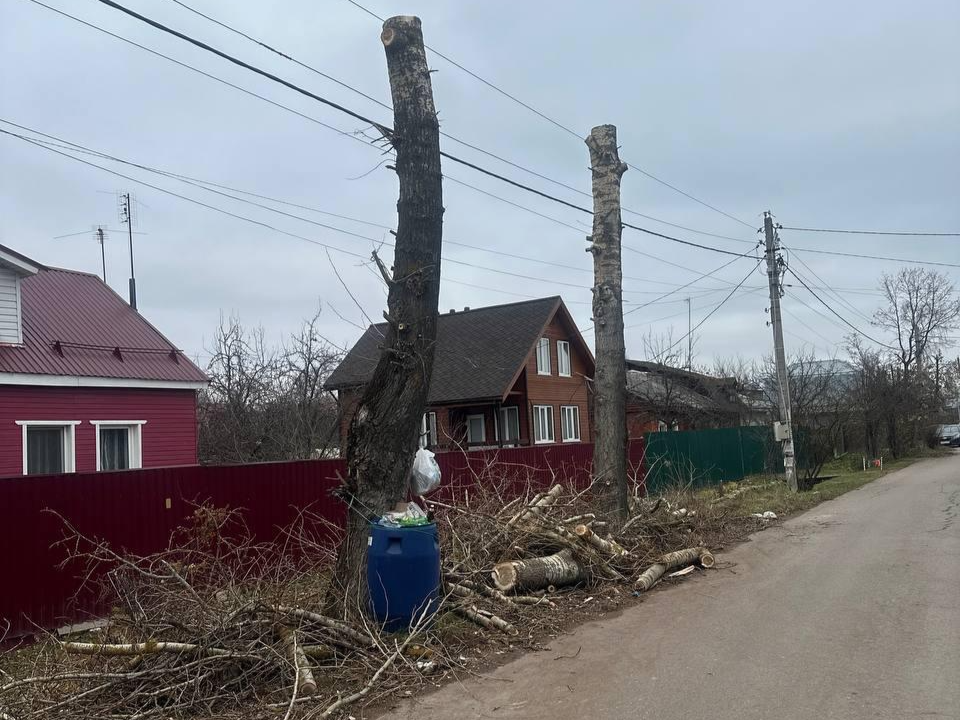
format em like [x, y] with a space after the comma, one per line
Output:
[46, 450]
[543, 356]
[509, 424]
[542, 424]
[114, 448]
[563, 358]
[428, 430]
[570, 423]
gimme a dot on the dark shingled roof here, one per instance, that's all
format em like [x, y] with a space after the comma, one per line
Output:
[478, 351]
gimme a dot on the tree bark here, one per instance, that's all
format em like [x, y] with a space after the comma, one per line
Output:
[383, 433]
[538, 573]
[672, 560]
[610, 383]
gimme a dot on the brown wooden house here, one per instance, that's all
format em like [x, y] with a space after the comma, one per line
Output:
[503, 376]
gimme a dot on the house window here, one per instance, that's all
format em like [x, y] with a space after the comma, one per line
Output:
[509, 424]
[543, 356]
[570, 423]
[476, 429]
[542, 424]
[48, 446]
[428, 430]
[119, 444]
[563, 358]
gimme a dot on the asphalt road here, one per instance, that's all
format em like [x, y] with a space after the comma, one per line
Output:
[851, 610]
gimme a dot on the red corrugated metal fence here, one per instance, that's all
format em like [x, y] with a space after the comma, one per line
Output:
[137, 510]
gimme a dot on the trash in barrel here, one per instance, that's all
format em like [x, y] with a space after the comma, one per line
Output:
[403, 573]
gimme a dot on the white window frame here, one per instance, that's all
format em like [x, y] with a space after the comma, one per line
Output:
[69, 440]
[503, 421]
[483, 428]
[134, 439]
[574, 412]
[547, 411]
[563, 353]
[428, 430]
[543, 356]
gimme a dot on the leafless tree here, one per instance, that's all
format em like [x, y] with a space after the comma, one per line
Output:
[921, 310]
[265, 403]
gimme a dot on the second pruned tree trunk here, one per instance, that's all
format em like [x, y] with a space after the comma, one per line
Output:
[383, 433]
[610, 383]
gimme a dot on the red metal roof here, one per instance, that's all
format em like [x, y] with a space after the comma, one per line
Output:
[99, 334]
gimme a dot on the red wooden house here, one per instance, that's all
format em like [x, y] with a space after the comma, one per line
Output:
[505, 375]
[86, 383]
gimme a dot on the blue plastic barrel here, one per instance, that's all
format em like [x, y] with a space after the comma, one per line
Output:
[403, 573]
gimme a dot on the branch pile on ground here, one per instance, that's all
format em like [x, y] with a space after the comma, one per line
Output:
[218, 626]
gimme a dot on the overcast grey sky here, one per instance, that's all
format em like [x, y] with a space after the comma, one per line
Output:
[829, 114]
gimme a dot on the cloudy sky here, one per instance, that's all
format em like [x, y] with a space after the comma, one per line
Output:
[832, 115]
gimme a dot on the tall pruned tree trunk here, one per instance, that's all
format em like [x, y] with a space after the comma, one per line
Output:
[610, 383]
[385, 428]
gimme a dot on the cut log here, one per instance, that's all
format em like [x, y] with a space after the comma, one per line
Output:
[608, 547]
[306, 684]
[672, 560]
[536, 573]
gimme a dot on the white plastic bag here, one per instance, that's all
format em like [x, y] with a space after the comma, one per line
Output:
[426, 473]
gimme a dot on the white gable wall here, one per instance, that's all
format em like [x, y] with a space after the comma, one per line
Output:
[10, 330]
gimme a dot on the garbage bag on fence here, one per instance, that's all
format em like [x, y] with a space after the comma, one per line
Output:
[426, 473]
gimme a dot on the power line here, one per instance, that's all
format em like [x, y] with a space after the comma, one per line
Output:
[383, 128]
[715, 309]
[907, 261]
[838, 315]
[843, 300]
[556, 123]
[874, 232]
[445, 134]
[550, 281]
[196, 182]
[686, 242]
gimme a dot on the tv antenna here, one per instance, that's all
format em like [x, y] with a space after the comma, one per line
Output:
[100, 235]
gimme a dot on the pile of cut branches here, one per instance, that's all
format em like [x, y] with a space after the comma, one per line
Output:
[220, 626]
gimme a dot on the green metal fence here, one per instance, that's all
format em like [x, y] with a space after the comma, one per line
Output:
[700, 458]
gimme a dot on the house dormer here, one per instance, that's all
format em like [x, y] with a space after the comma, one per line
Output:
[13, 268]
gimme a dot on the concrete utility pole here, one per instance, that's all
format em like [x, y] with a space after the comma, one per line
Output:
[689, 336]
[610, 383]
[126, 215]
[785, 431]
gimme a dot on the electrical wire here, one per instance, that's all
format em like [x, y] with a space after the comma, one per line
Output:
[844, 301]
[874, 232]
[353, 114]
[447, 135]
[556, 123]
[523, 276]
[846, 322]
[712, 312]
[906, 261]
[196, 182]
